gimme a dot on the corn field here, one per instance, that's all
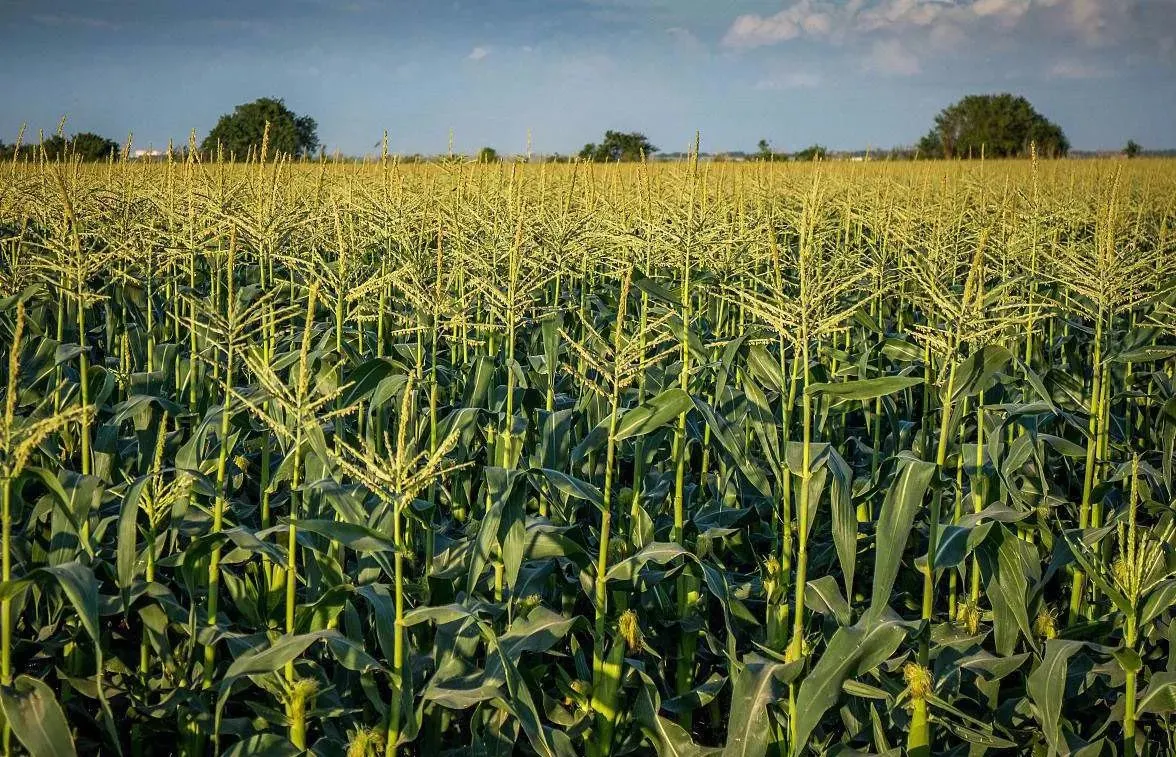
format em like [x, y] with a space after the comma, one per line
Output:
[677, 459]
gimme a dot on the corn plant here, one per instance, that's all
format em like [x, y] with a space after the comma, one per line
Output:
[668, 458]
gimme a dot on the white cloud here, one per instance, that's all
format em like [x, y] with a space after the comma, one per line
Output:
[1007, 11]
[892, 58]
[478, 53]
[802, 17]
[1093, 20]
[1089, 21]
[753, 31]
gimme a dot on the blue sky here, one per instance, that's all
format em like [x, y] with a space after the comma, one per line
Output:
[846, 73]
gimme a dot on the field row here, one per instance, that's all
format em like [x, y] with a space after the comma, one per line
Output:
[677, 459]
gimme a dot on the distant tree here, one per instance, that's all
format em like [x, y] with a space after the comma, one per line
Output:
[85, 146]
[812, 152]
[487, 155]
[999, 126]
[764, 150]
[90, 146]
[9, 151]
[1132, 149]
[619, 146]
[54, 147]
[242, 130]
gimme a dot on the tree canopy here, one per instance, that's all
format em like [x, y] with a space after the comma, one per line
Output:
[241, 131]
[85, 146]
[619, 146]
[812, 152]
[1001, 126]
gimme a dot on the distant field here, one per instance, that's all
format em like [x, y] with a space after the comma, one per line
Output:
[830, 458]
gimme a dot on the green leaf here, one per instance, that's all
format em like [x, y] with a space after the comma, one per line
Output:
[765, 368]
[844, 518]
[351, 535]
[668, 738]
[853, 651]
[128, 533]
[365, 378]
[274, 657]
[142, 403]
[658, 553]
[759, 683]
[1128, 659]
[269, 660]
[519, 700]
[1047, 688]
[699, 696]
[1160, 695]
[380, 599]
[1006, 585]
[439, 614]
[732, 444]
[652, 415]
[263, 745]
[865, 389]
[902, 351]
[763, 422]
[957, 542]
[540, 631]
[823, 595]
[657, 291]
[1093, 564]
[1145, 354]
[81, 588]
[992, 667]
[902, 503]
[571, 486]
[36, 718]
[240, 536]
[495, 525]
[717, 584]
[977, 373]
[1159, 600]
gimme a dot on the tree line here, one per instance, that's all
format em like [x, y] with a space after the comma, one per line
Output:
[996, 126]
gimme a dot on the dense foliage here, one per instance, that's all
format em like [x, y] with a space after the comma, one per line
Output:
[85, 146]
[267, 122]
[770, 459]
[617, 146]
[996, 126]
[812, 152]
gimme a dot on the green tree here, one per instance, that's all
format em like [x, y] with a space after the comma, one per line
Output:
[812, 152]
[619, 146]
[764, 150]
[999, 126]
[241, 131]
[1132, 149]
[85, 146]
[487, 155]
